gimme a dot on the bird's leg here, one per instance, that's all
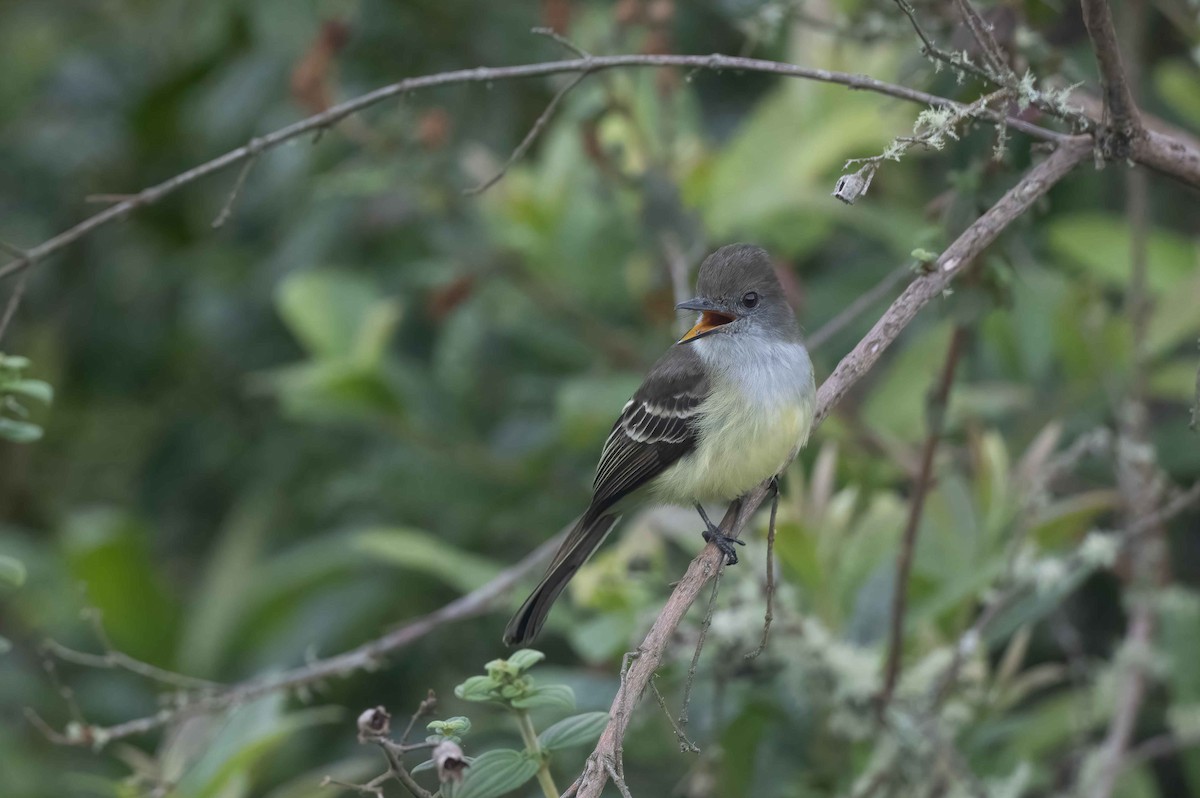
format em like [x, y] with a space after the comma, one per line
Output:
[713, 534]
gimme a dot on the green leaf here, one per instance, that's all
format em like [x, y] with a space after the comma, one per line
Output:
[5, 645]
[525, 659]
[476, 688]
[575, 730]
[1099, 242]
[450, 727]
[12, 571]
[338, 315]
[109, 552]
[37, 390]
[19, 431]
[550, 695]
[496, 773]
[422, 552]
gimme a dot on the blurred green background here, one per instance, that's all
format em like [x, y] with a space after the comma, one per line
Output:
[367, 392]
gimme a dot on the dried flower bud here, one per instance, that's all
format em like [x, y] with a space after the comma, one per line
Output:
[374, 723]
[851, 187]
[450, 761]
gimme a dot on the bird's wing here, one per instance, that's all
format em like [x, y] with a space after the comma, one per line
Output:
[656, 427]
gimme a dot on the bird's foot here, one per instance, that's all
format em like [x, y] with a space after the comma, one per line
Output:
[724, 543]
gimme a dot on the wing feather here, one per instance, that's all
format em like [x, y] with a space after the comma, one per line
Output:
[656, 428]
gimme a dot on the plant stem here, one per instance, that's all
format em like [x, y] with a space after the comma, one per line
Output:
[529, 735]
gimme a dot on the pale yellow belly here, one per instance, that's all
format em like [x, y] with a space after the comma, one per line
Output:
[738, 449]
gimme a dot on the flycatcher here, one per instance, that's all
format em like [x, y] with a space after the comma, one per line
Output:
[728, 406]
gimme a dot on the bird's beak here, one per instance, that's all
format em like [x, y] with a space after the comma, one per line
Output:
[711, 317]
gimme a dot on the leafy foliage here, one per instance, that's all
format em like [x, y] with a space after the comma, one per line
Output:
[367, 394]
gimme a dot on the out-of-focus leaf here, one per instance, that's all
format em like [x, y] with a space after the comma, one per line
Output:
[109, 553]
[231, 750]
[1099, 242]
[337, 315]
[334, 390]
[575, 730]
[494, 773]
[37, 390]
[550, 695]
[12, 572]
[19, 431]
[1065, 520]
[420, 551]
[1176, 81]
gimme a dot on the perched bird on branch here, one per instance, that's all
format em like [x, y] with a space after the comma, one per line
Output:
[727, 407]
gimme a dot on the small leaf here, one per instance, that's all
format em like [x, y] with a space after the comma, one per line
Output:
[12, 571]
[19, 431]
[525, 659]
[37, 390]
[496, 773]
[575, 730]
[477, 688]
[450, 727]
[428, 764]
[550, 695]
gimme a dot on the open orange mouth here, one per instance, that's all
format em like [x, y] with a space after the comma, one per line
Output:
[710, 320]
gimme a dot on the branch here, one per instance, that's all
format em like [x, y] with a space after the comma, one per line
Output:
[590, 64]
[366, 657]
[1120, 111]
[1035, 183]
[937, 421]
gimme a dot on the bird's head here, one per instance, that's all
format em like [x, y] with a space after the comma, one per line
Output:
[739, 293]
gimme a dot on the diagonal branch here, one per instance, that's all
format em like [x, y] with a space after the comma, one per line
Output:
[586, 65]
[1035, 183]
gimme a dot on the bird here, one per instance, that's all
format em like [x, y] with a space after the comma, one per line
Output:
[727, 407]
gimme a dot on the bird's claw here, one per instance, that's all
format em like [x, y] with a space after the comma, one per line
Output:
[724, 544]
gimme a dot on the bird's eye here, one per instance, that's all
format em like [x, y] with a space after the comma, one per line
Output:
[750, 299]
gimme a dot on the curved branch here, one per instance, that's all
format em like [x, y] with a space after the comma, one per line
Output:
[1036, 182]
[590, 64]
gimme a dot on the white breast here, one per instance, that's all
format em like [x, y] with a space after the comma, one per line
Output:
[758, 416]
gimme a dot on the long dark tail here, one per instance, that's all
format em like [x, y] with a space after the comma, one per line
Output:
[584, 539]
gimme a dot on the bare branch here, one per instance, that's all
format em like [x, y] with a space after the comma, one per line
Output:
[1035, 183]
[590, 64]
[936, 413]
[1120, 111]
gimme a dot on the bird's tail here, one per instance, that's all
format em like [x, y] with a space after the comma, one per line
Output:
[584, 539]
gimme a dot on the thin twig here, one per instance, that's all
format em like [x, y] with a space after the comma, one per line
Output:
[551, 33]
[685, 744]
[704, 627]
[590, 64]
[982, 33]
[936, 413]
[769, 614]
[427, 705]
[861, 304]
[238, 183]
[14, 302]
[530, 137]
